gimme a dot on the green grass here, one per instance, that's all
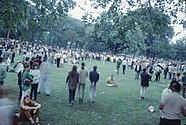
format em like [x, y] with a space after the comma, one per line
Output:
[113, 106]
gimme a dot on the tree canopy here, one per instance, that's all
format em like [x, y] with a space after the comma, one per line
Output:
[135, 26]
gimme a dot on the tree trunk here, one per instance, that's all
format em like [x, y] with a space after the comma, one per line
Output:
[8, 35]
[50, 37]
[32, 38]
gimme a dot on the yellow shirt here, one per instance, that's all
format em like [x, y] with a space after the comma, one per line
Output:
[110, 80]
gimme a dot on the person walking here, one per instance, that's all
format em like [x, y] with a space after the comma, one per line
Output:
[45, 74]
[137, 70]
[83, 74]
[94, 78]
[144, 83]
[72, 80]
[172, 106]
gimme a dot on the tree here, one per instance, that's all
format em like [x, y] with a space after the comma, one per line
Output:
[155, 27]
[12, 13]
[180, 49]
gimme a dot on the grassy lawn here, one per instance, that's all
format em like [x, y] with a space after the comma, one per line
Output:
[113, 106]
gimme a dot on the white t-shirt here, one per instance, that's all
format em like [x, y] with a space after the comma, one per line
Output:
[174, 104]
[165, 92]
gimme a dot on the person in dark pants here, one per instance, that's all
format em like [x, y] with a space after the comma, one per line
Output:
[124, 63]
[144, 83]
[94, 78]
[165, 71]
[172, 106]
[35, 73]
[137, 70]
[58, 56]
[72, 80]
[118, 63]
[13, 56]
[19, 75]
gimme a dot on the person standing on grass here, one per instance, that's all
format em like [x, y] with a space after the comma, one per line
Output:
[137, 70]
[2, 72]
[172, 106]
[144, 83]
[118, 63]
[72, 80]
[124, 64]
[35, 72]
[45, 74]
[166, 71]
[83, 74]
[26, 85]
[170, 71]
[18, 69]
[157, 73]
[94, 78]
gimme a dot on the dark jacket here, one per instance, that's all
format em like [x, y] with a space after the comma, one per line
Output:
[94, 76]
[184, 80]
[145, 79]
[136, 68]
[19, 75]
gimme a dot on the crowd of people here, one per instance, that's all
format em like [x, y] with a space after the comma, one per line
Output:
[34, 74]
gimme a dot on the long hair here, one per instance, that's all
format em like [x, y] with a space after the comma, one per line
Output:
[74, 71]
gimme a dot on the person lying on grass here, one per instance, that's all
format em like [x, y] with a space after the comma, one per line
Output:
[29, 109]
[111, 82]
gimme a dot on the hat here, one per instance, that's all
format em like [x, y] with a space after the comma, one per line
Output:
[151, 109]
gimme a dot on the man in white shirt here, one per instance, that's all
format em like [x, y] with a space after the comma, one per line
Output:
[45, 74]
[124, 63]
[172, 106]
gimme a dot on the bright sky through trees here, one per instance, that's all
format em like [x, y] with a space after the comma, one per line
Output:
[84, 6]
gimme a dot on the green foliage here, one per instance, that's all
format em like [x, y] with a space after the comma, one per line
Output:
[12, 13]
[32, 18]
[135, 38]
[155, 27]
[180, 49]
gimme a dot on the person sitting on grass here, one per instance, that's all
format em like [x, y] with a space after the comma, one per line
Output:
[111, 82]
[29, 109]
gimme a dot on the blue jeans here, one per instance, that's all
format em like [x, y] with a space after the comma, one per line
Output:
[71, 95]
[137, 75]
